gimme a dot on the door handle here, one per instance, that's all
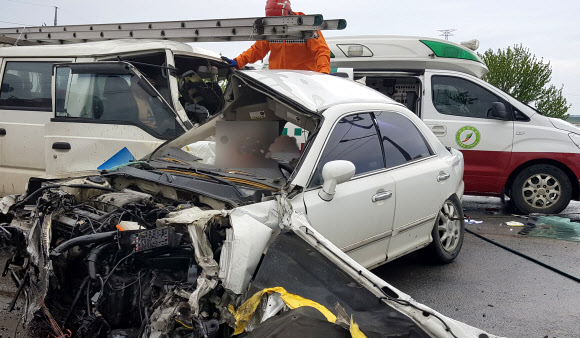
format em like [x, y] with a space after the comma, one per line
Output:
[443, 176]
[2, 131]
[439, 130]
[61, 145]
[382, 196]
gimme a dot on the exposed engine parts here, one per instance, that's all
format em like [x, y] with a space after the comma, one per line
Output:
[114, 266]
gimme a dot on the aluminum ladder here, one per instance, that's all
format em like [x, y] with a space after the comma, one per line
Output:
[237, 29]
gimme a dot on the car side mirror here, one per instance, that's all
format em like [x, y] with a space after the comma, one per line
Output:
[334, 173]
[498, 111]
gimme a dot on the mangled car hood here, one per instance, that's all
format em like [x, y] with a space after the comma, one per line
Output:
[315, 92]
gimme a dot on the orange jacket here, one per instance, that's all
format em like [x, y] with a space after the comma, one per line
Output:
[299, 54]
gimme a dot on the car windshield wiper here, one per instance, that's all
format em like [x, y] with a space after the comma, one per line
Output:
[210, 174]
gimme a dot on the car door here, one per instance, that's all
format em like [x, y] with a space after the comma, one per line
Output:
[105, 114]
[359, 218]
[25, 109]
[457, 109]
[421, 177]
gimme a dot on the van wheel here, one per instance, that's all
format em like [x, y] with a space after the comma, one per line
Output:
[447, 233]
[541, 188]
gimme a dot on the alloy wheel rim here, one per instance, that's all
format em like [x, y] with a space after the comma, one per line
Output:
[449, 226]
[541, 191]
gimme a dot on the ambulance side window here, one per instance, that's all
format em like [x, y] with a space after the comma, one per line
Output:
[460, 97]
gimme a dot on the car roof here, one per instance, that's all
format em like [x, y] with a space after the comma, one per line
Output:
[104, 48]
[316, 91]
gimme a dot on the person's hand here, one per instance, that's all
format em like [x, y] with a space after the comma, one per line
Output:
[231, 63]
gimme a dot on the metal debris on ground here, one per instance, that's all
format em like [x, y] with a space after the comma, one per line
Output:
[551, 227]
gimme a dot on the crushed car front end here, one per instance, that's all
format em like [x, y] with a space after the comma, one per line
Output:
[117, 256]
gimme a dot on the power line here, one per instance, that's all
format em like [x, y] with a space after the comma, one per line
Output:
[16, 23]
[30, 3]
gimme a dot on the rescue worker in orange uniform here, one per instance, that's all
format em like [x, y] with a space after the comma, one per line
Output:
[298, 54]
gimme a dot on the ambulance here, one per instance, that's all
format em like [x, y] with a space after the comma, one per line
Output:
[510, 148]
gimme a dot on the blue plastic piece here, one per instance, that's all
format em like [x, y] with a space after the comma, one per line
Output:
[121, 157]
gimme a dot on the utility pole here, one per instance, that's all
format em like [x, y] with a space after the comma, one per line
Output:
[446, 32]
[55, 15]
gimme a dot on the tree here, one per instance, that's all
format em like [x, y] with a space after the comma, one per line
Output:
[519, 73]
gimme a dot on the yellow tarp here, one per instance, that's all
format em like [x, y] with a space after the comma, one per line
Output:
[246, 310]
[355, 331]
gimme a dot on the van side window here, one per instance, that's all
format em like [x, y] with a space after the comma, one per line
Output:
[146, 63]
[402, 141]
[26, 86]
[108, 98]
[460, 97]
[353, 139]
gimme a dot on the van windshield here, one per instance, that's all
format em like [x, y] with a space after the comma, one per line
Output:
[105, 95]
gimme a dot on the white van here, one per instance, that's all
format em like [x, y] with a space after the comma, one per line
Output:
[509, 148]
[81, 129]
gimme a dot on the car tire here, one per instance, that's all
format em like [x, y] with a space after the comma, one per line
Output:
[541, 188]
[447, 233]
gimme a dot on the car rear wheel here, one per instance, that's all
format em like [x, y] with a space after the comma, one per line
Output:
[447, 233]
[541, 188]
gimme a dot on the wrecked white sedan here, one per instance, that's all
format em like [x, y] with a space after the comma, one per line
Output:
[257, 242]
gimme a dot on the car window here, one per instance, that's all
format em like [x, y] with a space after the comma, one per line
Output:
[108, 97]
[402, 141]
[26, 86]
[353, 139]
[150, 65]
[460, 97]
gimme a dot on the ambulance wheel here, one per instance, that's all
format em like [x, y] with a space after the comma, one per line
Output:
[447, 232]
[541, 188]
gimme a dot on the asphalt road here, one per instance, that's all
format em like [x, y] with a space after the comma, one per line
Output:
[486, 286]
[493, 289]
[8, 320]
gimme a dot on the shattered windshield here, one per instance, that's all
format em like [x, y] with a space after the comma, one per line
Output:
[250, 144]
[255, 154]
[254, 136]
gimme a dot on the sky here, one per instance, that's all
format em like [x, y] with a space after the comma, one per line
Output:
[550, 29]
